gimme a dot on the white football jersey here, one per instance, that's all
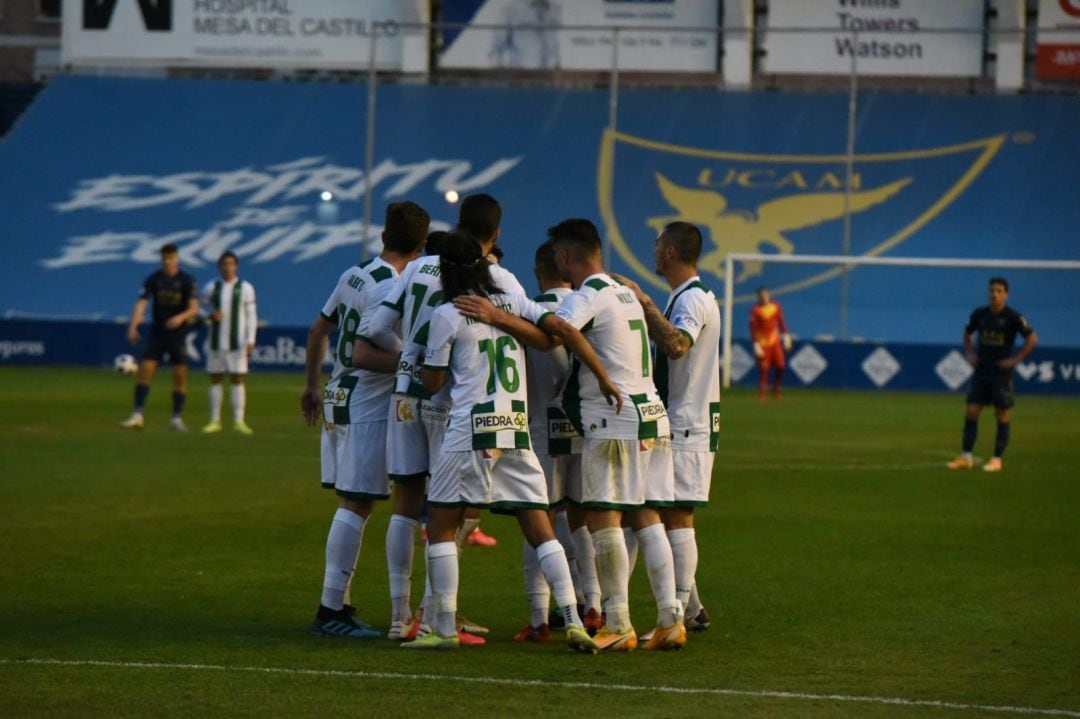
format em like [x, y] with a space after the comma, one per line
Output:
[236, 302]
[613, 322]
[551, 431]
[690, 385]
[356, 395]
[488, 398]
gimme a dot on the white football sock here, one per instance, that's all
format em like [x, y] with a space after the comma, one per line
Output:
[631, 548]
[613, 570]
[342, 551]
[660, 566]
[553, 562]
[566, 539]
[536, 587]
[586, 563]
[400, 540]
[216, 394]
[684, 551]
[466, 528]
[443, 570]
[238, 399]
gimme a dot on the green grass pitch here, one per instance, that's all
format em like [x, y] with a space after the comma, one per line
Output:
[839, 558]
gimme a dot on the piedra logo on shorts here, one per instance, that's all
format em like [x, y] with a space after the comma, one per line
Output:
[775, 203]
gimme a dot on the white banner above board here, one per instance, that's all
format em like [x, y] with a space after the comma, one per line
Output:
[668, 36]
[317, 34]
[875, 37]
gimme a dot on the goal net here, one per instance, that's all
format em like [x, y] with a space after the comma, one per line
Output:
[904, 300]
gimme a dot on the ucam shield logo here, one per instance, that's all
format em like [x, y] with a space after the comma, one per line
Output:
[783, 203]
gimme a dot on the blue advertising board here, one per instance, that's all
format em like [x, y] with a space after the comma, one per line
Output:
[832, 365]
[102, 171]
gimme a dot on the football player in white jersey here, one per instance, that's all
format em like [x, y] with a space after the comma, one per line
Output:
[557, 445]
[687, 338]
[233, 319]
[417, 419]
[626, 457]
[353, 406]
[626, 460]
[486, 459]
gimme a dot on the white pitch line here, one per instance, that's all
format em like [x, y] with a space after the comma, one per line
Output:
[396, 676]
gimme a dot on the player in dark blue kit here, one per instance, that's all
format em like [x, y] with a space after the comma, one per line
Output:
[176, 302]
[992, 383]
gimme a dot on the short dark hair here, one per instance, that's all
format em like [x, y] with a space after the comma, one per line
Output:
[480, 216]
[579, 233]
[227, 254]
[685, 238]
[170, 249]
[497, 252]
[434, 242]
[1000, 281]
[463, 268]
[545, 261]
[406, 227]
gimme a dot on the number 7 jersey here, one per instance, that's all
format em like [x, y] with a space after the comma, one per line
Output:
[613, 322]
[489, 408]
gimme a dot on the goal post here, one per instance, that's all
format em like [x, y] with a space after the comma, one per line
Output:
[843, 264]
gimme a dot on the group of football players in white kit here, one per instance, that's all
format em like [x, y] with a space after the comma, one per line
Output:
[450, 383]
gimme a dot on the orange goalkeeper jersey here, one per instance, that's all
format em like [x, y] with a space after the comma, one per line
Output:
[767, 323]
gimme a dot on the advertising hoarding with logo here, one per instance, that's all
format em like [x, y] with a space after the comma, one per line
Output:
[1058, 54]
[101, 172]
[658, 36]
[880, 37]
[324, 34]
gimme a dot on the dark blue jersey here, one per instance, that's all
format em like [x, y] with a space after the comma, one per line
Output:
[170, 295]
[997, 334]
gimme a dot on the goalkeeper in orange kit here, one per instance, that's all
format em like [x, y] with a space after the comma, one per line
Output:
[769, 333]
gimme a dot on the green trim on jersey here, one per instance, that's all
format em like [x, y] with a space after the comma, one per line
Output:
[714, 426]
[365, 263]
[215, 325]
[398, 306]
[571, 401]
[541, 318]
[547, 297]
[332, 319]
[587, 326]
[597, 284]
[688, 337]
[440, 368]
[421, 335]
[647, 429]
[341, 414]
[559, 446]
[490, 440]
[234, 316]
[380, 274]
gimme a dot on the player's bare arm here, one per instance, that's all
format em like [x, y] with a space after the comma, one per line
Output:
[586, 354]
[481, 308]
[669, 340]
[1029, 345]
[365, 355]
[381, 330]
[136, 319]
[317, 341]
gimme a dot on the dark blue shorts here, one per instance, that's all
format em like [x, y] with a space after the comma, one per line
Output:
[164, 342]
[994, 388]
